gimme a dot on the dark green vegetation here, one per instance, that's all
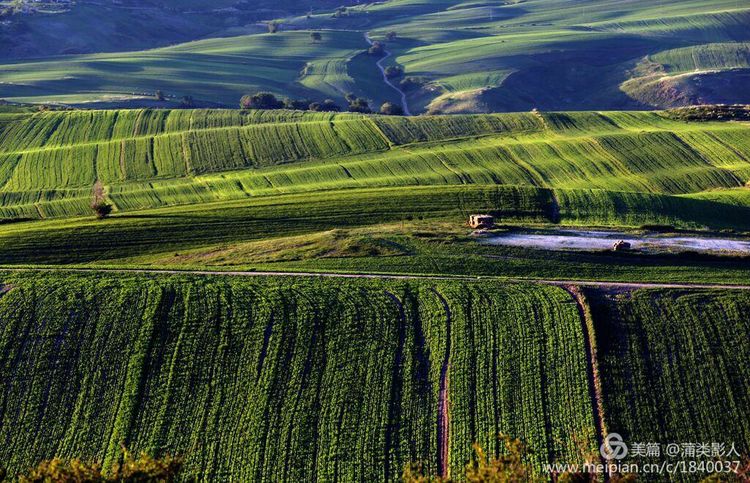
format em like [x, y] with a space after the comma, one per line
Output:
[50, 27]
[685, 353]
[290, 379]
[469, 56]
[297, 378]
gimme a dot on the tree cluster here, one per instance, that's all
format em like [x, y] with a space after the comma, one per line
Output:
[268, 101]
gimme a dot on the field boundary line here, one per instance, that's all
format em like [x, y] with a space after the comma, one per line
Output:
[386, 276]
[443, 422]
[592, 363]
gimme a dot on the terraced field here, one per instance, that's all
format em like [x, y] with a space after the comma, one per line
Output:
[618, 167]
[287, 379]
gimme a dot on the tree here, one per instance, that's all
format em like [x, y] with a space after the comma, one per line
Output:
[261, 100]
[359, 105]
[391, 109]
[377, 49]
[393, 71]
[411, 83]
[326, 106]
[273, 27]
[128, 470]
[316, 36]
[296, 104]
[159, 95]
[99, 204]
[390, 36]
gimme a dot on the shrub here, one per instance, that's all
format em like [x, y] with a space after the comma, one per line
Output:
[273, 27]
[159, 95]
[316, 36]
[296, 104]
[261, 100]
[102, 209]
[377, 49]
[391, 109]
[145, 468]
[359, 105]
[390, 36]
[393, 71]
[411, 83]
[326, 106]
[99, 204]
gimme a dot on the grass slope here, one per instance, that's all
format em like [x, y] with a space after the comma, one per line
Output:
[473, 57]
[615, 167]
[217, 70]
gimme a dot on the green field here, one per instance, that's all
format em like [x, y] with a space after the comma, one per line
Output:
[592, 164]
[470, 56]
[229, 188]
[294, 378]
[286, 379]
[684, 352]
[295, 295]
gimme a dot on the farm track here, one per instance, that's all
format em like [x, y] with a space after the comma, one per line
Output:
[385, 276]
[379, 63]
[592, 364]
[443, 430]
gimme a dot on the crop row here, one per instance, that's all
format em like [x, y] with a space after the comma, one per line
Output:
[285, 380]
[684, 354]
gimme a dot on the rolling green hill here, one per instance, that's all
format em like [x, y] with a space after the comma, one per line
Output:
[154, 158]
[466, 57]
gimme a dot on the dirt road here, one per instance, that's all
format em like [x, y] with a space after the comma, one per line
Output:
[387, 276]
[379, 63]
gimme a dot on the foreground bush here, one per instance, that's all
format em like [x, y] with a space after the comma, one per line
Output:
[145, 468]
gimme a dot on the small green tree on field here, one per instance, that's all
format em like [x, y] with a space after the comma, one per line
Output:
[328, 105]
[316, 37]
[273, 27]
[359, 105]
[159, 95]
[390, 36]
[296, 104]
[391, 109]
[99, 204]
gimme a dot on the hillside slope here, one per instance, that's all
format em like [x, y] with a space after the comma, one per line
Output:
[460, 56]
[583, 161]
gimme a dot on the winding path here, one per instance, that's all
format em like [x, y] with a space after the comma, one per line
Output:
[379, 63]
